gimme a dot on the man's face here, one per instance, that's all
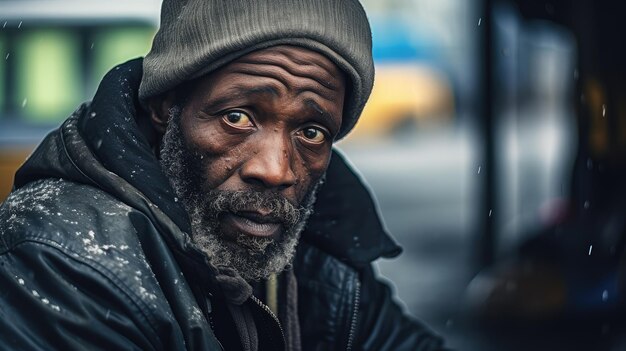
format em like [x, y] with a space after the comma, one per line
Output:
[246, 150]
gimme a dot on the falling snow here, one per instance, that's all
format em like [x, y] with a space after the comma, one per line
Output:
[94, 249]
[145, 294]
[122, 261]
[196, 313]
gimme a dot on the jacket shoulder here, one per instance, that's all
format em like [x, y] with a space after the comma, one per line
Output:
[84, 238]
[54, 208]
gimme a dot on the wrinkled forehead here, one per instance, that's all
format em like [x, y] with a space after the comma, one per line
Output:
[277, 68]
[296, 58]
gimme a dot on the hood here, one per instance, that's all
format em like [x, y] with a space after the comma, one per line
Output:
[104, 144]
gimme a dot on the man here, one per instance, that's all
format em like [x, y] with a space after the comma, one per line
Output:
[170, 212]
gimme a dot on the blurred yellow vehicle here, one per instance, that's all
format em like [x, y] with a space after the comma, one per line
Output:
[404, 95]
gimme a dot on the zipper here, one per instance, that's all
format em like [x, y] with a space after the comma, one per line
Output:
[355, 313]
[209, 315]
[269, 311]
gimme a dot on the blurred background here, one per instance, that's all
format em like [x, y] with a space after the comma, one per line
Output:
[494, 141]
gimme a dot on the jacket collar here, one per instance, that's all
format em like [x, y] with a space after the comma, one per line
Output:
[345, 221]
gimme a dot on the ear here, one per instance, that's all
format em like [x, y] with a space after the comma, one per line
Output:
[158, 108]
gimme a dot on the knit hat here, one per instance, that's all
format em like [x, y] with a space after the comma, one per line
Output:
[197, 37]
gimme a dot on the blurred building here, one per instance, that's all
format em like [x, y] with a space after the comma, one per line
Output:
[53, 55]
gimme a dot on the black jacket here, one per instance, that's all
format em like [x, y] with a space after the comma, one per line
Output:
[94, 252]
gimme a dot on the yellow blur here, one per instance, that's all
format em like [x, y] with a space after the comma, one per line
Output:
[10, 160]
[404, 94]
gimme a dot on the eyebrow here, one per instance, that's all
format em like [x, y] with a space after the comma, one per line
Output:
[327, 116]
[239, 92]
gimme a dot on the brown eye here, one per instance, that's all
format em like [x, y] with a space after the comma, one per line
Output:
[313, 135]
[237, 119]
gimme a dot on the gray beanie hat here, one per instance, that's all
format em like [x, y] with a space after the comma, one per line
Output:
[199, 36]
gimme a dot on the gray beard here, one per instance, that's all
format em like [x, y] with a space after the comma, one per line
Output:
[254, 258]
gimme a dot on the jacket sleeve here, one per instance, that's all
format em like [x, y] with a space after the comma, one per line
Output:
[382, 324]
[50, 299]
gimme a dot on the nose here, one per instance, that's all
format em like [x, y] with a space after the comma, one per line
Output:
[269, 165]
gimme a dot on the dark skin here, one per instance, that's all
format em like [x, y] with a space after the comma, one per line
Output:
[265, 122]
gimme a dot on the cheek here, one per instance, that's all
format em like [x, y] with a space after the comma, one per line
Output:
[309, 173]
[204, 135]
[218, 153]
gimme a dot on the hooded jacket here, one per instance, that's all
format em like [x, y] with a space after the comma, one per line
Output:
[95, 252]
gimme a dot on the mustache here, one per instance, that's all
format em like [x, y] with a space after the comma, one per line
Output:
[274, 206]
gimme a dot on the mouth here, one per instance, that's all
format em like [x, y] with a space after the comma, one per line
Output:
[252, 223]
